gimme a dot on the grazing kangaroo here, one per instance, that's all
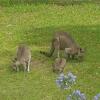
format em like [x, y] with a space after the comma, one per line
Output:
[23, 58]
[59, 64]
[63, 41]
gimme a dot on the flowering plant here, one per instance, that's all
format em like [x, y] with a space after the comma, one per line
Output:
[97, 97]
[65, 81]
[76, 95]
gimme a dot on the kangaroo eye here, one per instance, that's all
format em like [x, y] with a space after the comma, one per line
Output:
[82, 50]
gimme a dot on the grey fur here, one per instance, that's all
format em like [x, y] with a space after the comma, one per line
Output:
[23, 57]
[59, 64]
[63, 41]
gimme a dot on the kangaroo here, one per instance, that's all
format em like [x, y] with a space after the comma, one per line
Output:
[23, 57]
[63, 41]
[59, 64]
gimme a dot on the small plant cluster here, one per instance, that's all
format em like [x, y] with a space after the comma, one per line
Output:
[76, 95]
[66, 81]
[97, 97]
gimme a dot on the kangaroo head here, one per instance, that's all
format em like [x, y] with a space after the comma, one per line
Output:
[80, 53]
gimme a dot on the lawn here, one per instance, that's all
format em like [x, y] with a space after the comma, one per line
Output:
[34, 25]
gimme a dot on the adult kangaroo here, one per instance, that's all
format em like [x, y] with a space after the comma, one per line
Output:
[63, 41]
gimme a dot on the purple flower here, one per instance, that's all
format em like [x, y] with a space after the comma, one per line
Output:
[76, 95]
[60, 79]
[65, 81]
[71, 77]
[97, 97]
[69, 97]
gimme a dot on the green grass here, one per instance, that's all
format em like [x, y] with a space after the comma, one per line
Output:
[35, 25]
[58, 2]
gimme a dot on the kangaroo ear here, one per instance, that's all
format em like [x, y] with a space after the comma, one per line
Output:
[68, 50]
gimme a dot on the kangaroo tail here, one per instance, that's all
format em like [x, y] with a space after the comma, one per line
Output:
[45, 53]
